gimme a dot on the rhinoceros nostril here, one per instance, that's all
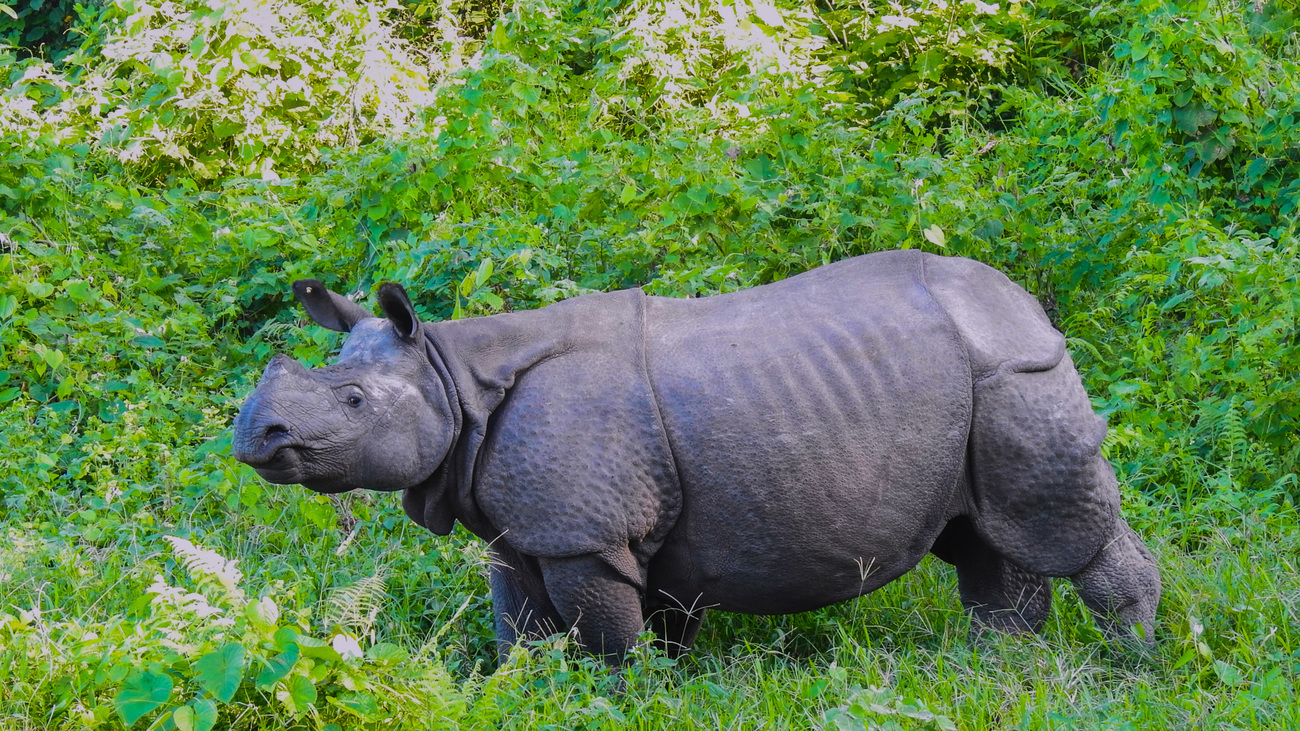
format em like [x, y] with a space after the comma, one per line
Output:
[275, 430]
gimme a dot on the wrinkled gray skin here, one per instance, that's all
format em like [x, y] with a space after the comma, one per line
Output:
[776, 450]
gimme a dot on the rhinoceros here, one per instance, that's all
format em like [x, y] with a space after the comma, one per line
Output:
[632, 458]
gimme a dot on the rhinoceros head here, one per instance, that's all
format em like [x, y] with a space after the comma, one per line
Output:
[378, 418]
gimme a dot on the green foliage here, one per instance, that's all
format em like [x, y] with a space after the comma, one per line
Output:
[1133, 163]
[42, 27]
[214, 87]
[881, 52]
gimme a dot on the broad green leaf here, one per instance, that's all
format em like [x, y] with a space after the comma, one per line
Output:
[8, 304]
[1193, 117]
[142, 694]
[54, 358]
[264, 612]
[318, 649]
[1254, 171]
[201, 715]
[285, 637]
[1227, 673]
[301, 695]
[935, 235]
[277, 668]
[386, 652]
[221, 671]
[205, 714]
[183, 718]
[40, 290]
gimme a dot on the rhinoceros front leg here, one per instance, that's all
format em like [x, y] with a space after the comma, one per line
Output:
[600, 602]
[1121, 585]
[675, 627]
[998, 594]
[519, 600]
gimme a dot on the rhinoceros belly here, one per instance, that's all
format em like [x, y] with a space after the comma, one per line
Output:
[818, 426]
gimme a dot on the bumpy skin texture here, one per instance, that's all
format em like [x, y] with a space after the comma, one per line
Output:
[637, 459]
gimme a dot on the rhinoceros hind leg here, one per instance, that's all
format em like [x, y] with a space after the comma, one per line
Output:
[598, 601]
[1121, 585]
[519, 600]
[998, 594]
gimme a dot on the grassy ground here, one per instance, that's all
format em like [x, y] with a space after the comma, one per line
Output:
[1228, 652]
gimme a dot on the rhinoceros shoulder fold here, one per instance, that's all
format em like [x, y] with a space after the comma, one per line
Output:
[1002, 325]
[561, 450]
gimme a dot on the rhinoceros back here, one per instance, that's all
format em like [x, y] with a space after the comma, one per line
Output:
[819, 429]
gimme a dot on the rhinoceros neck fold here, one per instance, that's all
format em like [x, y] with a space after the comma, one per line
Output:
[481, 359]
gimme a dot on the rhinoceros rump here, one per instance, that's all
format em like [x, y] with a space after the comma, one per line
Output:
[775, 450]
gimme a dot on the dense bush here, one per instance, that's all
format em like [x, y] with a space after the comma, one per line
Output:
[1134, 164]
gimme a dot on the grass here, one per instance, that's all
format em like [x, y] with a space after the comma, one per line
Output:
[1228, 652]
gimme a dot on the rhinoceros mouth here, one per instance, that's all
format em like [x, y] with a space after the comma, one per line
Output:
[276, 458]
[282, 465]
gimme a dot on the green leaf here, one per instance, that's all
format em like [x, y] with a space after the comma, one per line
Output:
[263, 612]
[302, 694]
[360, 704]
[318, 649]
[1191, 118]
[9, 11]
[628, 194]
[40, 290]
[141, 695]
[277, 668]
[205, 714]
[53, 358]
[8, 304]
[1254, 171]
[485, 269]
[220, 672]
[183, 718]
[201, 715]
[935, 235]
[385, 652]
[1228, 674]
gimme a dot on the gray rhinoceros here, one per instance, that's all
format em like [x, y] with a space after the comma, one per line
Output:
[768, 451]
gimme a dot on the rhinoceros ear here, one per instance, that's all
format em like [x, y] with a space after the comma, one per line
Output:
[328, 309]
[398, 309]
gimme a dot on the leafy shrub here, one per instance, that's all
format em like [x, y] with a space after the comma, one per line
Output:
[240, 86]
[43, 27]
[879, 53]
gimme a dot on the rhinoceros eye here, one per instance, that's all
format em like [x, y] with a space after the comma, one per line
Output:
[355, 400]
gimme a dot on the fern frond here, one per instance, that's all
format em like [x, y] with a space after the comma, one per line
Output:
[1232, 435]
[204, 563]
[1080, 344]
[357, 605]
